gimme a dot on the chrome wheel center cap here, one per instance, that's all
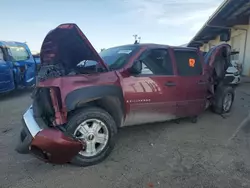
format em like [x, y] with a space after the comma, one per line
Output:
[91, 137]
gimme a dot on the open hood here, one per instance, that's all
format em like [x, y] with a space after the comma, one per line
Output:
[67, 46]
[218, 60]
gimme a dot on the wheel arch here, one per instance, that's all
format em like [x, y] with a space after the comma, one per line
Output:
[108, 97]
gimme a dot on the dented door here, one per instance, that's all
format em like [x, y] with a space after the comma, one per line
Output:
[151, 96]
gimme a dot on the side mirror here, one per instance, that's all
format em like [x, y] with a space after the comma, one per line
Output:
[136, 68]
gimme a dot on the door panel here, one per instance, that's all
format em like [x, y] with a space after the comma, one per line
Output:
[193, 80]
[30, 73]
[29, 67]
[6, 74]
[149, 99]
[195, 93]
[151, 96]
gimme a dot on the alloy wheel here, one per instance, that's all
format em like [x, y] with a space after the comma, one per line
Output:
[95, 134]
[227, 103]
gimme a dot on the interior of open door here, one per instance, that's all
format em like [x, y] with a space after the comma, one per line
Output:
[217, 61]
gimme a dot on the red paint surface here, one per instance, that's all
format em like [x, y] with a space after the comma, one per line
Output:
[187, 98]
[61, 149]
[146, 98]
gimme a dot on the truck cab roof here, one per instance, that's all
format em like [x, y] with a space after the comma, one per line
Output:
[148, 45]
[12, 43]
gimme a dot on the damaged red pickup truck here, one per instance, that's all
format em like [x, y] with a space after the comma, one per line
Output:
[82, 98]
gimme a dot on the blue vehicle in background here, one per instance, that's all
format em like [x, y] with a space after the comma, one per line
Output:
[37, 60]
[17, 66]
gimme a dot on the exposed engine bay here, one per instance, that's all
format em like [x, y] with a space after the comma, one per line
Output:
[50, 71]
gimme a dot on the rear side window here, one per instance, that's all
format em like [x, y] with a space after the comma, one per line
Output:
[188, 63]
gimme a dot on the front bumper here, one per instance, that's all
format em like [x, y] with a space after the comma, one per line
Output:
[236, 80]
[46, 143]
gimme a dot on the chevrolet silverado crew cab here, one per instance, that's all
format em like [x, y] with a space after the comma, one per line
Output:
[82, 98]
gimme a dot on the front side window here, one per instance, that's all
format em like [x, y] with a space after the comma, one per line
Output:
[19, 53]
[188, 63]
[156, 62]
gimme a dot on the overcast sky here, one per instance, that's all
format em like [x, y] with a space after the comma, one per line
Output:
[106, 23]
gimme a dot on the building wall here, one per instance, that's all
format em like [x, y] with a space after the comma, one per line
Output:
[246, 65]
[238, 43]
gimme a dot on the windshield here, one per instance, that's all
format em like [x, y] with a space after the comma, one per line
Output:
[19, 53]
[116, 57]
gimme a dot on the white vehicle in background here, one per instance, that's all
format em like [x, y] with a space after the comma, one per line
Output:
[235, 68]
[232, 71]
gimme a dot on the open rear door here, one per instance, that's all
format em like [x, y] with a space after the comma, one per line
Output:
[218, 60]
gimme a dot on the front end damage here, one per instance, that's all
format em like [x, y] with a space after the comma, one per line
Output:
[49, 144]
[44, 123]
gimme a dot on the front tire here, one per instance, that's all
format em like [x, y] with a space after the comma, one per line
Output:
[223, 100]
[98, 129]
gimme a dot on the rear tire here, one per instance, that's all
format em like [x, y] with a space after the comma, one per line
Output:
[107, 127]
[223, 99]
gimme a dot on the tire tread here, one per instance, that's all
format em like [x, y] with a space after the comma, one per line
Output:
[87, 113]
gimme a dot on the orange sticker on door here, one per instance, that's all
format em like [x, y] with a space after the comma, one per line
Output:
[191, 62]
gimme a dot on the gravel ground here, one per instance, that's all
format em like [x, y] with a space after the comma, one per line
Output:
[211, 153]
